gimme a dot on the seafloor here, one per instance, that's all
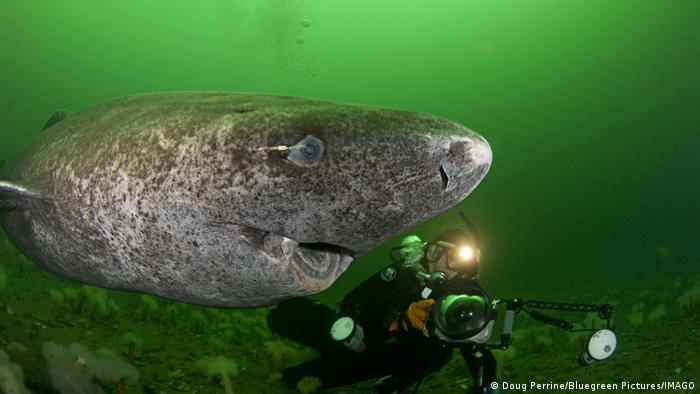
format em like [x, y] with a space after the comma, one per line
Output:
[167, 342]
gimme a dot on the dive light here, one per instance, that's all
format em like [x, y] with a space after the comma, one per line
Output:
[346, 331]
[461, 257]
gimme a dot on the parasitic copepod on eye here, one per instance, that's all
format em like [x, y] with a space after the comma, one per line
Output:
[306, 153]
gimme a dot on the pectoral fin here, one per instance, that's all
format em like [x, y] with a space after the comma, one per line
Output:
[17, 195]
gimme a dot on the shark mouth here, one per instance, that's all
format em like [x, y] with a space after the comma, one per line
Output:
[315, 266]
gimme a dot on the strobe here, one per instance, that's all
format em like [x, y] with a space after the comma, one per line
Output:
[601, 345]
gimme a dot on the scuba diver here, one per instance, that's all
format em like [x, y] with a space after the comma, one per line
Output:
[382, 329]
[405, 321]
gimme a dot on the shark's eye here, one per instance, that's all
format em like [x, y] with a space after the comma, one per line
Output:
[307, 152]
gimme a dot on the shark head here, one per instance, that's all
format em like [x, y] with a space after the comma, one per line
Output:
[330, 182]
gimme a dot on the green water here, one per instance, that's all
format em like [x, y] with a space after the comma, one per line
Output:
[590, 107]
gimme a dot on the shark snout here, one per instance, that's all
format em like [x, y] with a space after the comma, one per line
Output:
[466, 162]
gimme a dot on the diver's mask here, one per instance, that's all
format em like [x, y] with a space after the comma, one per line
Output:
[463, 258]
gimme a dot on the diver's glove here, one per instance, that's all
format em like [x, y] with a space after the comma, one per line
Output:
[417, 316]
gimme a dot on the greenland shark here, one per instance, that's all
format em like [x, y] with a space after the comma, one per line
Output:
[229, 200]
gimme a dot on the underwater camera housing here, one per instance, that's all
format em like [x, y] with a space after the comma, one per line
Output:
[463, 312]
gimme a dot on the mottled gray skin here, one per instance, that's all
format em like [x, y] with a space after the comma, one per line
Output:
[167, 193]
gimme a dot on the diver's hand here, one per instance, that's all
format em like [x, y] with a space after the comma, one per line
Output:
[418, 313]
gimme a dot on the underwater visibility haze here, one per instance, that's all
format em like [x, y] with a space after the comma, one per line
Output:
[275, 149]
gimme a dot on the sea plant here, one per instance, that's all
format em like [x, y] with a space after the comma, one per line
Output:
[219, 366]
[75, 370]
[262, 333]
[636, 318]
[657, 314]
[308, 385]
[243, 330]
[11, 376]
[172, 312]
[227, 335]
[279, 354]
[273, 378]
[96, 300]
[149, 306]
[75, 298]
[689, 302]
[112, 308]
[57, 300]
[15, 347]
[200, 321]
[217, 343]
[109, 368]
[132, 341]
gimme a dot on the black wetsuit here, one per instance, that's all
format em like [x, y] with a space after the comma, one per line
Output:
[405, 355]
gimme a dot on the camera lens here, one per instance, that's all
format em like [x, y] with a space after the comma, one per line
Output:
[464, 314]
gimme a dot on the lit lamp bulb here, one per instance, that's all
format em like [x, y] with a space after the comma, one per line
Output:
[466, 253]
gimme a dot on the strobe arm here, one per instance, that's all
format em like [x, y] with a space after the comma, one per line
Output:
[516, 305]
[604, 311]
[563, 324]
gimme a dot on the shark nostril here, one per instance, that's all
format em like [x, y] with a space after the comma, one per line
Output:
[444, 177]
[457, 152]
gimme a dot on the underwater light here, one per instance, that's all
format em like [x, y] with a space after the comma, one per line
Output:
[346, 331]
[466, 253]
[466, 259]
[600, 346]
